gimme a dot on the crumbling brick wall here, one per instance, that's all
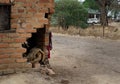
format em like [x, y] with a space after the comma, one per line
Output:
[26, 17]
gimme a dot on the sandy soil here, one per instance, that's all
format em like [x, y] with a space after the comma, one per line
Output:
[77, 60]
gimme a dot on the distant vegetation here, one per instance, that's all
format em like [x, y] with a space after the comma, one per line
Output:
[69, 13]
[73, 13]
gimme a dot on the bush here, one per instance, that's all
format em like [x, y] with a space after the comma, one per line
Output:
[70, 13]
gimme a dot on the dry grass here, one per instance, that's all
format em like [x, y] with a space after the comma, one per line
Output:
[111, 32]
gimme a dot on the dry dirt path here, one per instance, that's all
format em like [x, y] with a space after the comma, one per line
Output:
[86, 60]
[77, 60]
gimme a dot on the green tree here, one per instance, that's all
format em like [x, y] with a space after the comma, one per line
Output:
[70, 13]
[91, 4]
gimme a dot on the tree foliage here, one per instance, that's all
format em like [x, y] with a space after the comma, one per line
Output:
[115, 7]
[90, 4]
[70, 13]
[104, 6]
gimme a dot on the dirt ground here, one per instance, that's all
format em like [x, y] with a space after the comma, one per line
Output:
[77, 60]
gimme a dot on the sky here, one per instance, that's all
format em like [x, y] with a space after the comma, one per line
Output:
[81, 0]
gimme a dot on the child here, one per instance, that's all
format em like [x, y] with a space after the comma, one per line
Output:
[49, 47]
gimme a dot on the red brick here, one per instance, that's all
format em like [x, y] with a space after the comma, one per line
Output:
[16, 55]
[28, 65]
[15, 65]
[2, 56]
[19, 65]
[12, 50]
[25, 35]
[21, 60]
[4, 45]
[13, 10]
[38, 25]
[23, 25]
[14, 25]
[31, 30]
[6, 61]
[46, 5]
[20, 50]
[15, 16]
[47, 26]
[26, 17]
[14, 45]
[13, 21]
[6, 50]
[20, 30]
[44, 1]
[52, 1]
[44, 10]
[21, 10]
[2, 35]
[28, 4]
[32, 10]
[20, 40]
[3, 66]
[51, 11]
[29, 26]
[44, 21]
[20, 1]
[40, 15]
[4, 1]
[7, 40]
[12, 35]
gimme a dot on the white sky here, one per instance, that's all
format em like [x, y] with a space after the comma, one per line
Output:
[81, 0]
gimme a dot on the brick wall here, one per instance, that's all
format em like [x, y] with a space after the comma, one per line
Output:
[26, 17]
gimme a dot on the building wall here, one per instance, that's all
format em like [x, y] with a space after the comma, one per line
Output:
[26, 17]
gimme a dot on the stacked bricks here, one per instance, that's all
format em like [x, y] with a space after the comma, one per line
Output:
[26, 17]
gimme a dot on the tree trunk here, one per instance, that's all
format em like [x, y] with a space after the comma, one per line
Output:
[104, 20]
[103, 30]
[103, 9]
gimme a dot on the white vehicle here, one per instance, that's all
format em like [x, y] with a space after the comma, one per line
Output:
[117, 19]
[93, 16]
[93, 20]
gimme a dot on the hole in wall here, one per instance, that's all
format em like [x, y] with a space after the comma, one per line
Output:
[34, 46]
[36, 41]
[46, 15]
